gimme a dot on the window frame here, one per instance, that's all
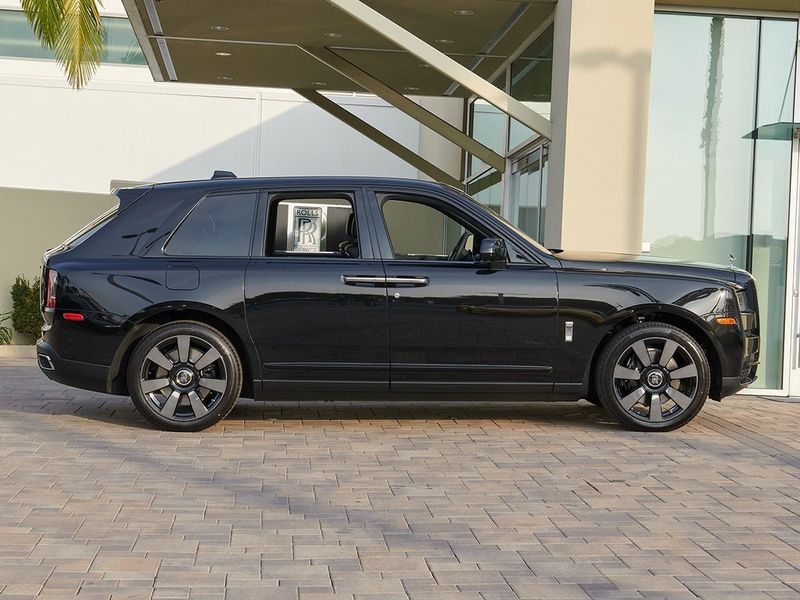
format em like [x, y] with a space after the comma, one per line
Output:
[521, 253]
[217, 193]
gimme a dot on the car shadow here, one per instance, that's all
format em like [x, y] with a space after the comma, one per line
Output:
[120, 411]
[31, 393]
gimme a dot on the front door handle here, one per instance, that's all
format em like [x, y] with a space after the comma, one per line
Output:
[413, 281]
[363, 280]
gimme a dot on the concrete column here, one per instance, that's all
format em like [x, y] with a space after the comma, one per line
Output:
[432, 146]
[601, 91]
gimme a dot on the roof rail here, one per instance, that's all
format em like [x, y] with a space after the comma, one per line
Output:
[223, 175]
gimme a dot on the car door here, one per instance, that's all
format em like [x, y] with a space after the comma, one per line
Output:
[456, 324]
[315, 295]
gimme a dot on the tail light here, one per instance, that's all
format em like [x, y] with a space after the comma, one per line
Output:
[50, 290]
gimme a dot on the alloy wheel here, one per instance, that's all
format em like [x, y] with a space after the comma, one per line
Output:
[183, 378]
[655, 380]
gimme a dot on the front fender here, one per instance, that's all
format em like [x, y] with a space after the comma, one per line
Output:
[601, 303]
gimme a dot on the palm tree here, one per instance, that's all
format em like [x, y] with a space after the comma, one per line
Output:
[73, 30]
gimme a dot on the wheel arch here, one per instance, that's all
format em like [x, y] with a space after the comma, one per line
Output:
[675, 316]
[155, 317]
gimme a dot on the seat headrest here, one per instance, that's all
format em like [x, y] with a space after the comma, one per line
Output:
[351, 225]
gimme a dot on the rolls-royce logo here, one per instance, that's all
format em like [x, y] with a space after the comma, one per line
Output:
[304, 233]
[655, 379]
[307, 229]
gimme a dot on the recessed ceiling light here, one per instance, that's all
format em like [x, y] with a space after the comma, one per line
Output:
[464, 13]
[411, 88]
[332, 34]
[222, 53]
[219, 28]
[425, 66]
[443, 41]
[319, 83]
[225, 78]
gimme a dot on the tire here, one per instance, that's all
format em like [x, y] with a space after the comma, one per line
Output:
[640, 392]
[199, 373]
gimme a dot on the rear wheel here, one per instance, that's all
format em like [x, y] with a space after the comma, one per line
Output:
[185, 376]
[653, 377]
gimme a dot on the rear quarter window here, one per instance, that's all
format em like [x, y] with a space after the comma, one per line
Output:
[88, 230]
[219, 225]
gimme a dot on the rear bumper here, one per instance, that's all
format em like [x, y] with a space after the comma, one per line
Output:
[82, 375]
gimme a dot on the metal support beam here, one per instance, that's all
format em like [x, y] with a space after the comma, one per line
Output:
[444, 64]
[379, 137]
[408, 106]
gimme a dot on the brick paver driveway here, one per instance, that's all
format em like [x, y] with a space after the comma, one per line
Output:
[360, 500]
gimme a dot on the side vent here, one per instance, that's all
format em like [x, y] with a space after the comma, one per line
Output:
[223, 175]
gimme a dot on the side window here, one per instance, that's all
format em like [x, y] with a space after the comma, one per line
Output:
[313, 226]
[218, 226]
[421, 231]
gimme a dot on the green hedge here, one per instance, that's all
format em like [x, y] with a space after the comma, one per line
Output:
[5, 331]
[27, 314]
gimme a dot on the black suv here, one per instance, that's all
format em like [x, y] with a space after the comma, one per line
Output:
[189, 295]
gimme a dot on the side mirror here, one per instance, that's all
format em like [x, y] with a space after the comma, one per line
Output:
[494, 253]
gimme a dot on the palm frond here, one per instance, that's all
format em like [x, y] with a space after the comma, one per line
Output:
[80, 43]
[45, 17]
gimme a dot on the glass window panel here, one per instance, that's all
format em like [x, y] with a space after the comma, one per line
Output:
[531, 83]
[314, 226]
[528, 200]
[122, 47]
[487, 125]
[418, 231]
[17, 40]
[526, 186]
[218, 226]
[699, 168]
[488, 190]
[772, 190]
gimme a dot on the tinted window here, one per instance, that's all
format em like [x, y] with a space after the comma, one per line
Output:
[418, 231]
[218, 226]
[315, 226]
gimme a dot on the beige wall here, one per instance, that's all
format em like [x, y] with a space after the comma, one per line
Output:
[35, 220]
[432, 146]
[601, 89]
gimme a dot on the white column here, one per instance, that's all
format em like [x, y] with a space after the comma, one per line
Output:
[601, 91]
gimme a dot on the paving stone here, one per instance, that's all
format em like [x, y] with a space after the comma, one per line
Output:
[373, 501]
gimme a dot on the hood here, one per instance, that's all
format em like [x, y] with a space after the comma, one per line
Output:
[634, 263]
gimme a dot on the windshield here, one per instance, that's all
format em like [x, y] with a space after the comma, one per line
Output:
[89, 229]
[516, 229]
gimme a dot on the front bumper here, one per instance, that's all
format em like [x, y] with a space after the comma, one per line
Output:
[73, 373]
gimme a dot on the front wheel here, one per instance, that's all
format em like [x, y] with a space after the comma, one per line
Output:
[185, 376]
[653, 377]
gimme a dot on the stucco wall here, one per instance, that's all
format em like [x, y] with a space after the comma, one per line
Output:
[35, 220]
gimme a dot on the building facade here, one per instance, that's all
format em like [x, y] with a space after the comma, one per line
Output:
[624, 126]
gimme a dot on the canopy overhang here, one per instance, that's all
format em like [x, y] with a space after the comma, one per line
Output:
[242, 42]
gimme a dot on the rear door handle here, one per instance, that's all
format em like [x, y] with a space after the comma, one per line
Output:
[412, 281]
[363, 280]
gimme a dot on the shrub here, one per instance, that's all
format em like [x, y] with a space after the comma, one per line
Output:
[5, 332]
[26, 316]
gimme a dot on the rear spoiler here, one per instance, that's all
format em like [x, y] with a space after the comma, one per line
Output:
[127, 196]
